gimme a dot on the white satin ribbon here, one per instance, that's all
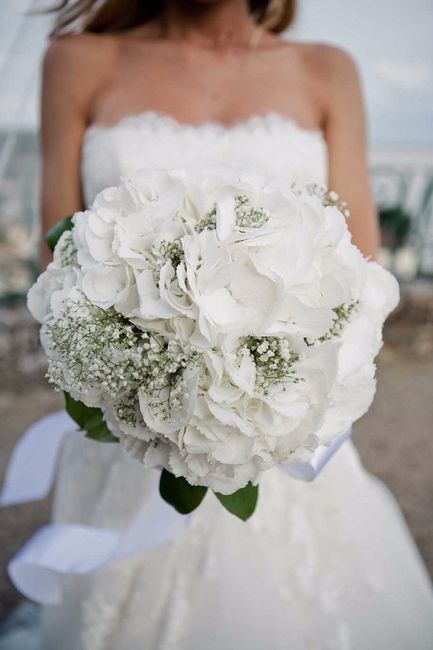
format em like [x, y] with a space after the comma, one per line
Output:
[58, 549]
[323, 454]
[31, 470]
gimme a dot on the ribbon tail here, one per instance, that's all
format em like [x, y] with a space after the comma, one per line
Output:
[56, 549]
[73, 549]
[323, 454]
[31, 471]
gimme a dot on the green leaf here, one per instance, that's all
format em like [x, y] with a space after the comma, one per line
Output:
[89, 419]
[79, 412]
[179, 493]
[241, 503]
[101, 433]
[53, 235]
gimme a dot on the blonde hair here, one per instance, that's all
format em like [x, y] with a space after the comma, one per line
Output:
[118, 15]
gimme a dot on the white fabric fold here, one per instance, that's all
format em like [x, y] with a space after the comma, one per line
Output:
[323, 454]
[58, 549]
[31, 470]
[55, 549]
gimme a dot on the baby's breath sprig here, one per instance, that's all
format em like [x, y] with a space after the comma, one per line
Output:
[127, 409]
[273, 358]
[93, 348]
[208, 222]
[171, 251]
[343, 314]
[333, 199]
[166, 251]
[164, 381]
[246, 215]
[329, 198]
[66, 252]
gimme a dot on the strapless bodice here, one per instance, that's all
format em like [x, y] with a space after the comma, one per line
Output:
[274, 145]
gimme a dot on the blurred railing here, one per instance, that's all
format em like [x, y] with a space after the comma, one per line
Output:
[404, 198]
[19, 223]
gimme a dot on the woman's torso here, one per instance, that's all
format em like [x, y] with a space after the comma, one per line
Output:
[164, 104]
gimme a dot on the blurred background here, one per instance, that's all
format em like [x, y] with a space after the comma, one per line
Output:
[392, 42]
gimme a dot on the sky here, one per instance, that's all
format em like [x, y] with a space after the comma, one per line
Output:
[391, 41]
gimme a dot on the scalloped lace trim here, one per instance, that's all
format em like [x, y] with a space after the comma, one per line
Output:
[159, 119]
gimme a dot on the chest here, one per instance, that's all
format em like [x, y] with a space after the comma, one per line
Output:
[219, 87]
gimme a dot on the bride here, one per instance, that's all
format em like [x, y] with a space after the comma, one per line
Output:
[321, 565]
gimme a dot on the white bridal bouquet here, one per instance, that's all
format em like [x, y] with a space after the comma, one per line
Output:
[213, 325]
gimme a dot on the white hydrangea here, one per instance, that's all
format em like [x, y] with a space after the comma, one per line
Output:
[222, 325]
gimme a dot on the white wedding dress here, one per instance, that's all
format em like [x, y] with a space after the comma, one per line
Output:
[320, 566]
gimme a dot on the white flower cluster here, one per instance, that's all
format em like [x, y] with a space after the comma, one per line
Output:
[223, 325]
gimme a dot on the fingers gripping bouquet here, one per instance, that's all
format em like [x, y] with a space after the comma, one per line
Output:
[212, 325]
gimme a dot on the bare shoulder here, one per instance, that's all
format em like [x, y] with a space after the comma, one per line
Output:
[330, 64]
[319, 64]
[335, 78]
[79, 51]
[80, 63]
